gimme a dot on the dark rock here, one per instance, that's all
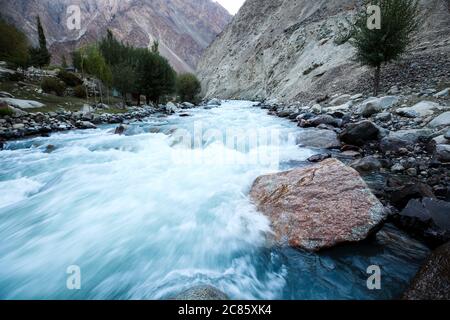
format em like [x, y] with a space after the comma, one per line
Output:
[404, 139]
[50, 148]
[366, 165]
[428, 219]
[360, 133]
[384, 117]
[443, 152]
[433, 280]
[319, 157]
[202, 293]
[120, 130]
[401, 197]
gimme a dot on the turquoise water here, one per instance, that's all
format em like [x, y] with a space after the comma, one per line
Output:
[162, 208]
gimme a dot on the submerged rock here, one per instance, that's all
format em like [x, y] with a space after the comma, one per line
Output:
[214, 102]
[202, 293]
[120, 130]
[319, 206]
[433, 280]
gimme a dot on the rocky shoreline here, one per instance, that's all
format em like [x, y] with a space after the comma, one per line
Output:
[21, 124]
[399, 144]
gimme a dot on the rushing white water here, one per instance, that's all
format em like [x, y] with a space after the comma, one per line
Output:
[146, 216]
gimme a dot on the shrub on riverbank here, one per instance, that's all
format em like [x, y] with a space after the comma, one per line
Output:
[80, 92]
[70, 79]
[53, 85]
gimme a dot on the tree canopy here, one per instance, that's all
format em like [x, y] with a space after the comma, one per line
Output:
[13, 45]
[377, 46]
[188, 87]
[40, 56]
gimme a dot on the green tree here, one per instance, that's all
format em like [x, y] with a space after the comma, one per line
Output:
[40, 56]
[123, 79]
[64, 62]
[399, 19]
[188, 87]
[112, 50]
[95, 64]
[156, 77]
[13, 45]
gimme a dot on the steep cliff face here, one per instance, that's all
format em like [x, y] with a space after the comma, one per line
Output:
[184, 28]
[290, 49]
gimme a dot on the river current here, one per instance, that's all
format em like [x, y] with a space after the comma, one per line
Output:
[165, 207]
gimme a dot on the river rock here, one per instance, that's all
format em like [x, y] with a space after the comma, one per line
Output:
[324, 119]
[404, 138]
[443, 93]
[433, 280]
[447, 135]
[4, 94]
[340, 100]
[384, 117]
[428, 219]
[202, 293]
[171, 108]
[441, 121]
[443, 152]
[319, 157]
[366, 165]
[318, 207]
[22, 104]
[369, 109]
[378, 104]
[85, 125]
[360, 133]
[120, 130]
[318, 138]
[187, 105]
[421, 109]
[401, 196]
[214, 102]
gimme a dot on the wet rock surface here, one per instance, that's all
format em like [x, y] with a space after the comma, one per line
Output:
[318, 207]
[433, 280]
[202, 293]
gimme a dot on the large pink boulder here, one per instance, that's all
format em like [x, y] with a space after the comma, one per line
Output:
[319, 206]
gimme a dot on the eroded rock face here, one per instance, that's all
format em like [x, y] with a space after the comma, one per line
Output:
[433, 280]
[319, 206]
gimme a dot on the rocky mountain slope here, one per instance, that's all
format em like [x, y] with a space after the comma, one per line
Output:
[291, 50]
[184, 28]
